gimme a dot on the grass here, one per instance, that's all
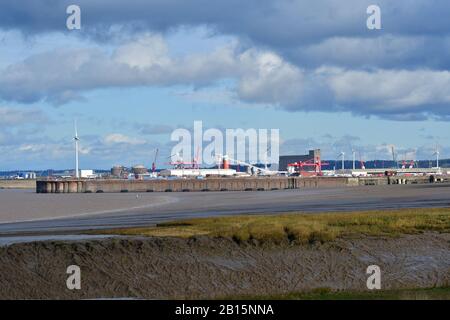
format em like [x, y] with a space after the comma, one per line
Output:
[327, 294]
[302, 227]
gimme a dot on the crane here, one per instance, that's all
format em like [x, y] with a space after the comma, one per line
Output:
[317, 164]
[180, 164]
[154, 160]
[363, 166]
[253, 167]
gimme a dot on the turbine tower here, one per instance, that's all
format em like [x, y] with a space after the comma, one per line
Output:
[342, 154]
[354, 158]
[265, 158]
[437, 153]
[76, 139]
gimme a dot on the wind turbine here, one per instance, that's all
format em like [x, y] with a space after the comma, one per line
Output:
[437, 153]
[394, 156]
[265, 158]
[342, 154]
[76, 139]
[354, 158]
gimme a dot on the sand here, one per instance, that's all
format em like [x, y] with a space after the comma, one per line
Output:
[70, 212]
[21, 205]
[168, 268]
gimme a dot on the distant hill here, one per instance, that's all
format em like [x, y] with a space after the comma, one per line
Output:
[372, 164]
[42, 173]
[331, 165]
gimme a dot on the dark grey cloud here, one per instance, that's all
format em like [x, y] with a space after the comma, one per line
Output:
[384, 51]
[275, 22]
[325, 32]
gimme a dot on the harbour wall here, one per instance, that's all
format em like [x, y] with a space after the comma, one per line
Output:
[219, 184]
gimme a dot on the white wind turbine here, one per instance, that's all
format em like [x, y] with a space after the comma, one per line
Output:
[76, 139]
[342, 156]
[437, 153]
[343, 160]
[354, 158]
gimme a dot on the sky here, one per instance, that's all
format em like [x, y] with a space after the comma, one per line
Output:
[137, 70]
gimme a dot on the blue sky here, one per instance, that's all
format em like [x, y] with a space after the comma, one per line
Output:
[139, 69]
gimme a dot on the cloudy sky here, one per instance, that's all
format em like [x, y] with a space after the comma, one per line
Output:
[139, 69]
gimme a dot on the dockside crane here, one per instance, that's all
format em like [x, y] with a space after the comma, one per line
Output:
[154, 160]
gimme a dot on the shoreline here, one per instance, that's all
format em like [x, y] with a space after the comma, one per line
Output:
[8, 184]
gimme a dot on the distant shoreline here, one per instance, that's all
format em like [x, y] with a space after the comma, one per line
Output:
[17, 184]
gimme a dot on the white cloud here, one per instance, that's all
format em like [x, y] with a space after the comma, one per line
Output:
[31, 147]
[62, 75]
[260, 76]
[118, 138]
[147, 51]
[267, 78]
[392, 91]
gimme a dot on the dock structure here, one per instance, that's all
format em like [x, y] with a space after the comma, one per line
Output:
[220, 184]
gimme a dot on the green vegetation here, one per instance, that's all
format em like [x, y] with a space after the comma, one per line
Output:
[327, 294]
[302, 227]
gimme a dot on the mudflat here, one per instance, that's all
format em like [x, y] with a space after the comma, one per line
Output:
[203, 267]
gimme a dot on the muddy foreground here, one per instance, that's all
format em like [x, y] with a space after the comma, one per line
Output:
[168, 268]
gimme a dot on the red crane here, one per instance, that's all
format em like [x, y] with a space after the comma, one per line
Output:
[361, 161]
[411, 164]
[317, 164]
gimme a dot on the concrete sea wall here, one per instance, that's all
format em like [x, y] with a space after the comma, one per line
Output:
[215, 184]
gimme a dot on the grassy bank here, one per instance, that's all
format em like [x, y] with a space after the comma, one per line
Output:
[302, 227]
[326, 294]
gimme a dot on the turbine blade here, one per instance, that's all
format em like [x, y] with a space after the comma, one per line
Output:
[76, 129]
